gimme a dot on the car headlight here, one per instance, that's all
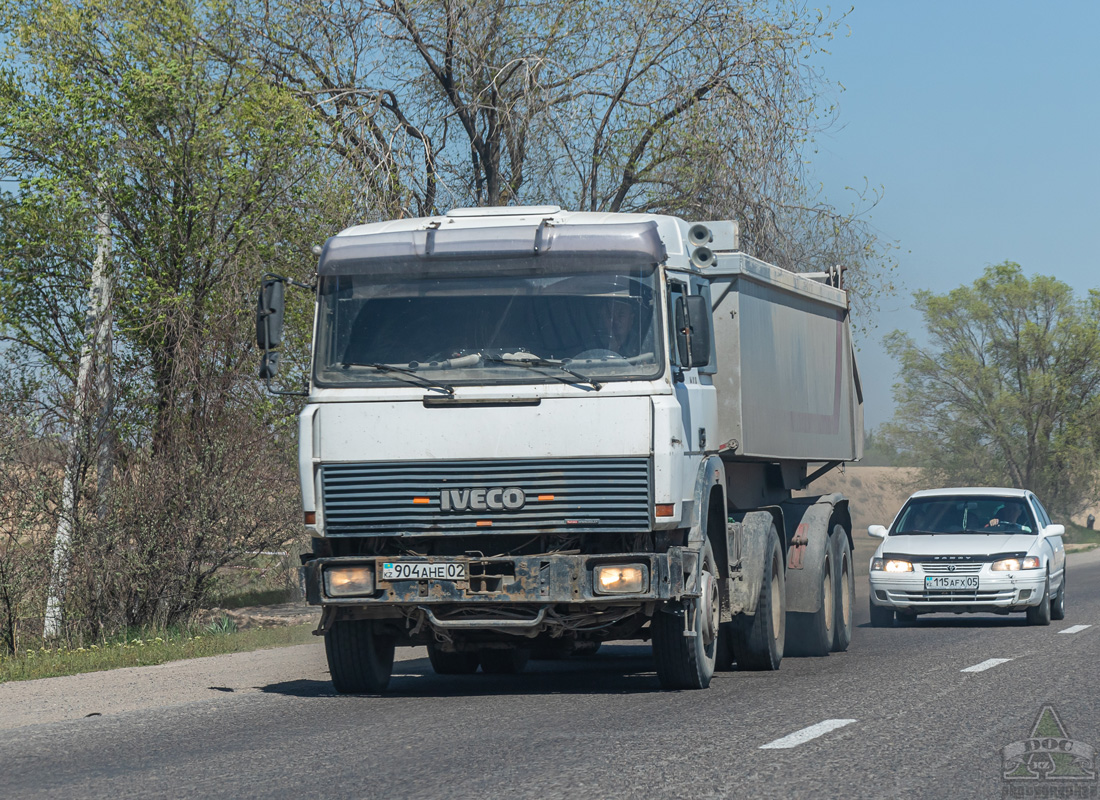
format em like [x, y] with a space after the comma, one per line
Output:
[349, 581]
[1013, 564]
[891, 565]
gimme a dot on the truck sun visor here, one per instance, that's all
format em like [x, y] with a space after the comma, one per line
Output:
[523, 248]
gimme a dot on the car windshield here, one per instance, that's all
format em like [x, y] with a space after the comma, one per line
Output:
[976, 514]
[584, 326]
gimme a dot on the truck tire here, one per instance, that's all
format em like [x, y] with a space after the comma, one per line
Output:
[845, 590]
[811, 634]
[1040, 614]
[504, 662]
[360, 659]
[452, 663]
[757, 641]
[687, 662]
[1058, 604]
[881, 616]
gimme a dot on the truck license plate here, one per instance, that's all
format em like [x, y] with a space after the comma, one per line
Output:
[941, 583]
[422, 571]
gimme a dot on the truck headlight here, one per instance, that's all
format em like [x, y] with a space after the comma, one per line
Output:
[891, 565]
[620, 578]
[349, 581]
[1013, 564]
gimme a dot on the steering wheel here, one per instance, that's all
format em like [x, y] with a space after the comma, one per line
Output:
[598, 353]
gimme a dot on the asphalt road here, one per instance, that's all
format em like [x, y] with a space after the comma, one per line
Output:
[898, 715]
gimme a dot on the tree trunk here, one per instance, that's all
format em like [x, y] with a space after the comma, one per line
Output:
[93, 376]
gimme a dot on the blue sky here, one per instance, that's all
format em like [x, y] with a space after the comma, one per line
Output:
[980, 120]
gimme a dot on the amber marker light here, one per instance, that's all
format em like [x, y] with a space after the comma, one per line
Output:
[311, 518]
[666, 509]
[484, 523]
[545, 498]
[421, 501]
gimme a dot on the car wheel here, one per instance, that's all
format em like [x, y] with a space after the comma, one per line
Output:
[1040, 614]
[905, 618]
[1058, 604]
[881, 616]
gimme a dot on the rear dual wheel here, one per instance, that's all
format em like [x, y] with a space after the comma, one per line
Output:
[829, 629]
[452, 662]
[756, 642]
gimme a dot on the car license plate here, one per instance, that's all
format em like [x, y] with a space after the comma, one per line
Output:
[942, 583]
[423, 571]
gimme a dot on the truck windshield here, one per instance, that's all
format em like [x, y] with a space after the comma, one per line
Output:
[489, 329]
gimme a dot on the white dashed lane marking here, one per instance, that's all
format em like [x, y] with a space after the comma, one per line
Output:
[1075, 629]
[987, 664]
[806, 734]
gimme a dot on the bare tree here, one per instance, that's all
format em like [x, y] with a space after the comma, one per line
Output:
[701, 109]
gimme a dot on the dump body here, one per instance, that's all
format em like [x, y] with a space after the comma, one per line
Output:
[787, 384]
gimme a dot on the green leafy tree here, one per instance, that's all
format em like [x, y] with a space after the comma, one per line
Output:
[1007, 390]
[210, 176]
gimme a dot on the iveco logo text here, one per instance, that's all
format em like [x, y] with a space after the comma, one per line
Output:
[509, 498]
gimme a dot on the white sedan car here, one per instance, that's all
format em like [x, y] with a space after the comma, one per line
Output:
[969, 550]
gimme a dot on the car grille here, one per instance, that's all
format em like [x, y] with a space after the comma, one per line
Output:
[604, 494]
[957, 596]
[951, 569]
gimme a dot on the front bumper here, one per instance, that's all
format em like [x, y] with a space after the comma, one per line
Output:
[996, 591]
[543, 580]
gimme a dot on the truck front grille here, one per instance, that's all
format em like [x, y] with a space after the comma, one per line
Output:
[507, 496]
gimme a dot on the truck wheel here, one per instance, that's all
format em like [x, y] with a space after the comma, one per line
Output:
[586, 647]
[881, 616]
[1058, 604]
[845, 591]
[504, 662]
[723, 658]
[1040, 614]
[812, 634]
[758, 640]
[452, 663]
[687, 662]
[360, 659]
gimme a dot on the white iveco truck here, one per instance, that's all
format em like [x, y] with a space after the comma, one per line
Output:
[532, 431]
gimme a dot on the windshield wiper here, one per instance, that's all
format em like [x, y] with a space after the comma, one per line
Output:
[528, 360]
[420, 380]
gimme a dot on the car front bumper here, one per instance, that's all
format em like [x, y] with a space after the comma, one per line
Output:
[996, 592]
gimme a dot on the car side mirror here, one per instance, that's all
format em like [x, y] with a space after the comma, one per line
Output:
[877, 531]
[1054, 530]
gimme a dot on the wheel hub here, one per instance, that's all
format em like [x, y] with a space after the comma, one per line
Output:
[708, 608]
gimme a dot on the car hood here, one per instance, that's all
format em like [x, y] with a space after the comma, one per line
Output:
[959, 544]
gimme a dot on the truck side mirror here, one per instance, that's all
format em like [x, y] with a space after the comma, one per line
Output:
[693, 330]
[269, 314]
